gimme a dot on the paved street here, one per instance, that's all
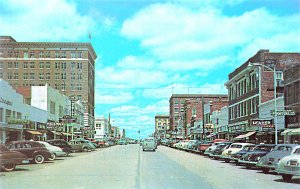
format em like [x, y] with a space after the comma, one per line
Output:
[129, 167]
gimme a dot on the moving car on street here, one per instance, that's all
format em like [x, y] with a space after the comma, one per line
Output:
[149, 144]
[270, 161]
[9, 159]
[289, 166]
[34, 151]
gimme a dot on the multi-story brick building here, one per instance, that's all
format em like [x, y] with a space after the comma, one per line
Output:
[161, 125]
[181, 113]
[248, 87]
[65, 66]
[292, 102]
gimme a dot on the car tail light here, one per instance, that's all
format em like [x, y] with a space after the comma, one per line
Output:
[293, 163]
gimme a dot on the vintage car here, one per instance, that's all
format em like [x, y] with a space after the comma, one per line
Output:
[34, 151]
[251, 158]
[212, 148]
[270, 161]
[54, 150]
[233, 149]
[62, 144]
[215, 154]
[149, 144]
[237, 156]
[289, 166]
[9, 159]
[80, 146]
[122, 142]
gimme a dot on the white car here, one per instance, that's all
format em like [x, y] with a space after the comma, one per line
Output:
[149, 144]
[233, 149]
[289, 166]
[54, 150]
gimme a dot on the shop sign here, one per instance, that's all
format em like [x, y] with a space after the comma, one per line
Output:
[17, 121]
[7, 102]
[283, 112]
[13, 126]
[293, 125]
[267, 123]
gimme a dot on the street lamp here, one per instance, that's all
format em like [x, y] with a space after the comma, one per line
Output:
[275, 101]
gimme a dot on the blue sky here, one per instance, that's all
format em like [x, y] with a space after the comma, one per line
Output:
[149, 49]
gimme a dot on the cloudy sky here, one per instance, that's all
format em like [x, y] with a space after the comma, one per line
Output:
[148, 50]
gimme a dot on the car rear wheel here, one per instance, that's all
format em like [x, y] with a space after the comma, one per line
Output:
[248, 166]
[52, 157]
[9, 167]
[38, 159]
[287, 178]
[85, 149]
[227, 160]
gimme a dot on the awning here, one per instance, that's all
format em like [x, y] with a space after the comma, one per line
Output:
[286, 132]
[35, 132]
[67, 134]
[295, 132]
[245, 135]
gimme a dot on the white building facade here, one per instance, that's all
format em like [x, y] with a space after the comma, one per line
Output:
[101, 128]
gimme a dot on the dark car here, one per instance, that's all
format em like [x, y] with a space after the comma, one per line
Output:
[34, 151]
[65, 146]
[250, 159]
[9, 159]
[219, 150]
[237, 156]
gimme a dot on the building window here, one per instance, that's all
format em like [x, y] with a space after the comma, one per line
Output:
[253, 81]
[31, 76]
[176, 110]
[73, 76]
[73, 65]
[57, 54]
[194, 111]
[79, 65]
[73, 88]
[48, 65]
[79, 54]
[31, 54]
[41, 76]
[1, 65]
[47, 54]
[16, 65]
[64, 65]
[63, 86]
[41, 54]
[16, 76]
[57, 65]
[10, 65]
[57, 76]
[1, 74]
[297, 91]
[73, 54]
[25, 65]
[25, 54]
[79, 76]
[48, 76]
[57, 86]
[52, 107]
[79, 87]
[9, 76]
[31, 65]
[64, 75]
[41, 65]
[176, 102]
[25, 76]
[63, 54]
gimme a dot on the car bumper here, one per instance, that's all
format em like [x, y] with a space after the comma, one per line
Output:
[248, 162]
[59, 154]
[269, 166]
[292, 171]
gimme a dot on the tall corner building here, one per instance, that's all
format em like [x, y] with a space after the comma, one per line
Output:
[66, 66]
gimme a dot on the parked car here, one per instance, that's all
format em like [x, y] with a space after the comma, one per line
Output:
[79, 146]
[233, 149]
[217, 153]
[237, 156]
[289, 166]
[9, 159]
[270, 161]
[34, 151]
[210, 149]
[203, 146]
[64, 145]
[100, 143]
[54, 150]
[190, 145]
[122, 142]
[89, 143]
[149, 144]
[251, 158]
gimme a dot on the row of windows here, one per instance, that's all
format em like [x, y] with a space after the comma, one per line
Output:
[73, 87]
[242, 87]
[42, 65]
[42, 76]
[9, 114]
[42, 54]
[292, 93]
[243, 109]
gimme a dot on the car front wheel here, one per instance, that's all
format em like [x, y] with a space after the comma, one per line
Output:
[38, 159]
[9, 167]
[52, 157]
[287, 177]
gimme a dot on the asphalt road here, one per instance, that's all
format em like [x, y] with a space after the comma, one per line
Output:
[128, 167]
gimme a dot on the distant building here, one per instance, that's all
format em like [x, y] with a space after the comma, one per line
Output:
[219, 119]
[101, 128]
[162, 126]
[66, 66]
[250, 86]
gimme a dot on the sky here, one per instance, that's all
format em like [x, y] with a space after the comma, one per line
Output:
[148, 50]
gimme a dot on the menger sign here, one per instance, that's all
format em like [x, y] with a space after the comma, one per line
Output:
[262, 122]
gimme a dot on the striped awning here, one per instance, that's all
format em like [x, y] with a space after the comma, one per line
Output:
[34, 132]
[295, 132]
[286, 132]
[245, 135]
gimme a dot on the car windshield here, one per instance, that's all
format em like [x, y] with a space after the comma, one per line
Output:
[297, 151]
[236, 146]
[283, 148]
[264, 148]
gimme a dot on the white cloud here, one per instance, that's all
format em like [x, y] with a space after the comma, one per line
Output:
[49, 20]
[113, 97]
[133, 62]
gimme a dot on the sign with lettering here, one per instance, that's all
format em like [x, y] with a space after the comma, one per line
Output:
[7, 102]
[283, 112]
[266, 123]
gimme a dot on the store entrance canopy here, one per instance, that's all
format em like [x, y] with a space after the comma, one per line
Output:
[35, 132]
[245, 135]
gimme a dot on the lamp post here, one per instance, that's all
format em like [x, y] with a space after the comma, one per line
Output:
[275, 101]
